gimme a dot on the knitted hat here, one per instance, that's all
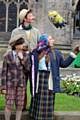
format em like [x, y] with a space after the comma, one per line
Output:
[44, 38]
[23, 13]
[16, 40]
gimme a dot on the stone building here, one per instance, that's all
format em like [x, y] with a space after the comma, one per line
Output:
[66, 38]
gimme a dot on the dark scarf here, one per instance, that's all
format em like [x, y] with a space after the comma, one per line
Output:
[29, 27]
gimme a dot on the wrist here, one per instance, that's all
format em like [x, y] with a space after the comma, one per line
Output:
[73, 55]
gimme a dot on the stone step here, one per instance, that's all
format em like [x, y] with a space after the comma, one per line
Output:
[3, 45]
[5, 36]
[67, 115]
[57, 116]
[63, 47]
[25, 116]
[3, 42]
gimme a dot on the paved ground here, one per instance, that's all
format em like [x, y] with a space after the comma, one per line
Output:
[58, 116]
[25, 116]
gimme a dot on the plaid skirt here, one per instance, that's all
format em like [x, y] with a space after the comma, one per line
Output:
[15, 95]
[44, 99]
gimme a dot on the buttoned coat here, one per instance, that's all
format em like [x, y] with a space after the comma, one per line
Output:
[13, 72]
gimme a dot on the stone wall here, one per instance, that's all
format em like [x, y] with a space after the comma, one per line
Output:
[64, 37]
[69, 71]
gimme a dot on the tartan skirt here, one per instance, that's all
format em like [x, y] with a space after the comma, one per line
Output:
[44, 99]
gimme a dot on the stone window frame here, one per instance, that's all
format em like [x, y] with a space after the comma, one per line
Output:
[18, 4]
[76, 21]
[76, 24]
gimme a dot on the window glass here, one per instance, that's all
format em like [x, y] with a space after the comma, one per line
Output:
[12, 15]
[23, 6]
[2, 16]
[27, 0]
[77, 21]
[20, 0]
[37, 0]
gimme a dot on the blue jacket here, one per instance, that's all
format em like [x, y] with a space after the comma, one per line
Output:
[55, 65]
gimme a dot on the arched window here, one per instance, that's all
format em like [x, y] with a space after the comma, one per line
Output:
[26, 0]
[12, 17]
[37, 0]
[2, 16]
[78, 15]
[23, 5]
[9, 11]
[77, 21]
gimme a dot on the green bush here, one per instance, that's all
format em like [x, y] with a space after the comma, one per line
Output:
[71, 85]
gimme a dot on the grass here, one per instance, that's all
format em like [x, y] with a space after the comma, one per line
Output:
[2, 102]
[2, 99]
[63, 102]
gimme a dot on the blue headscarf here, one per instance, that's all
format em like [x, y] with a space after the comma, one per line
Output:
[44, 38]
[42, 43]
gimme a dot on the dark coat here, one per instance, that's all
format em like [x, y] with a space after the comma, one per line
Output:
[55, 62]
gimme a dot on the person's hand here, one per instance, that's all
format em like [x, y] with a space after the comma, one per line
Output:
[20, 55]
[41, 55]
[3, 92]
[76, 50]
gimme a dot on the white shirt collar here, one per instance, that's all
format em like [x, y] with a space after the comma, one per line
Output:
[20, 27]
[14, 54]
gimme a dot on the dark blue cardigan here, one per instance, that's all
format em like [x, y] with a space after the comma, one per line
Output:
[55, 65]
